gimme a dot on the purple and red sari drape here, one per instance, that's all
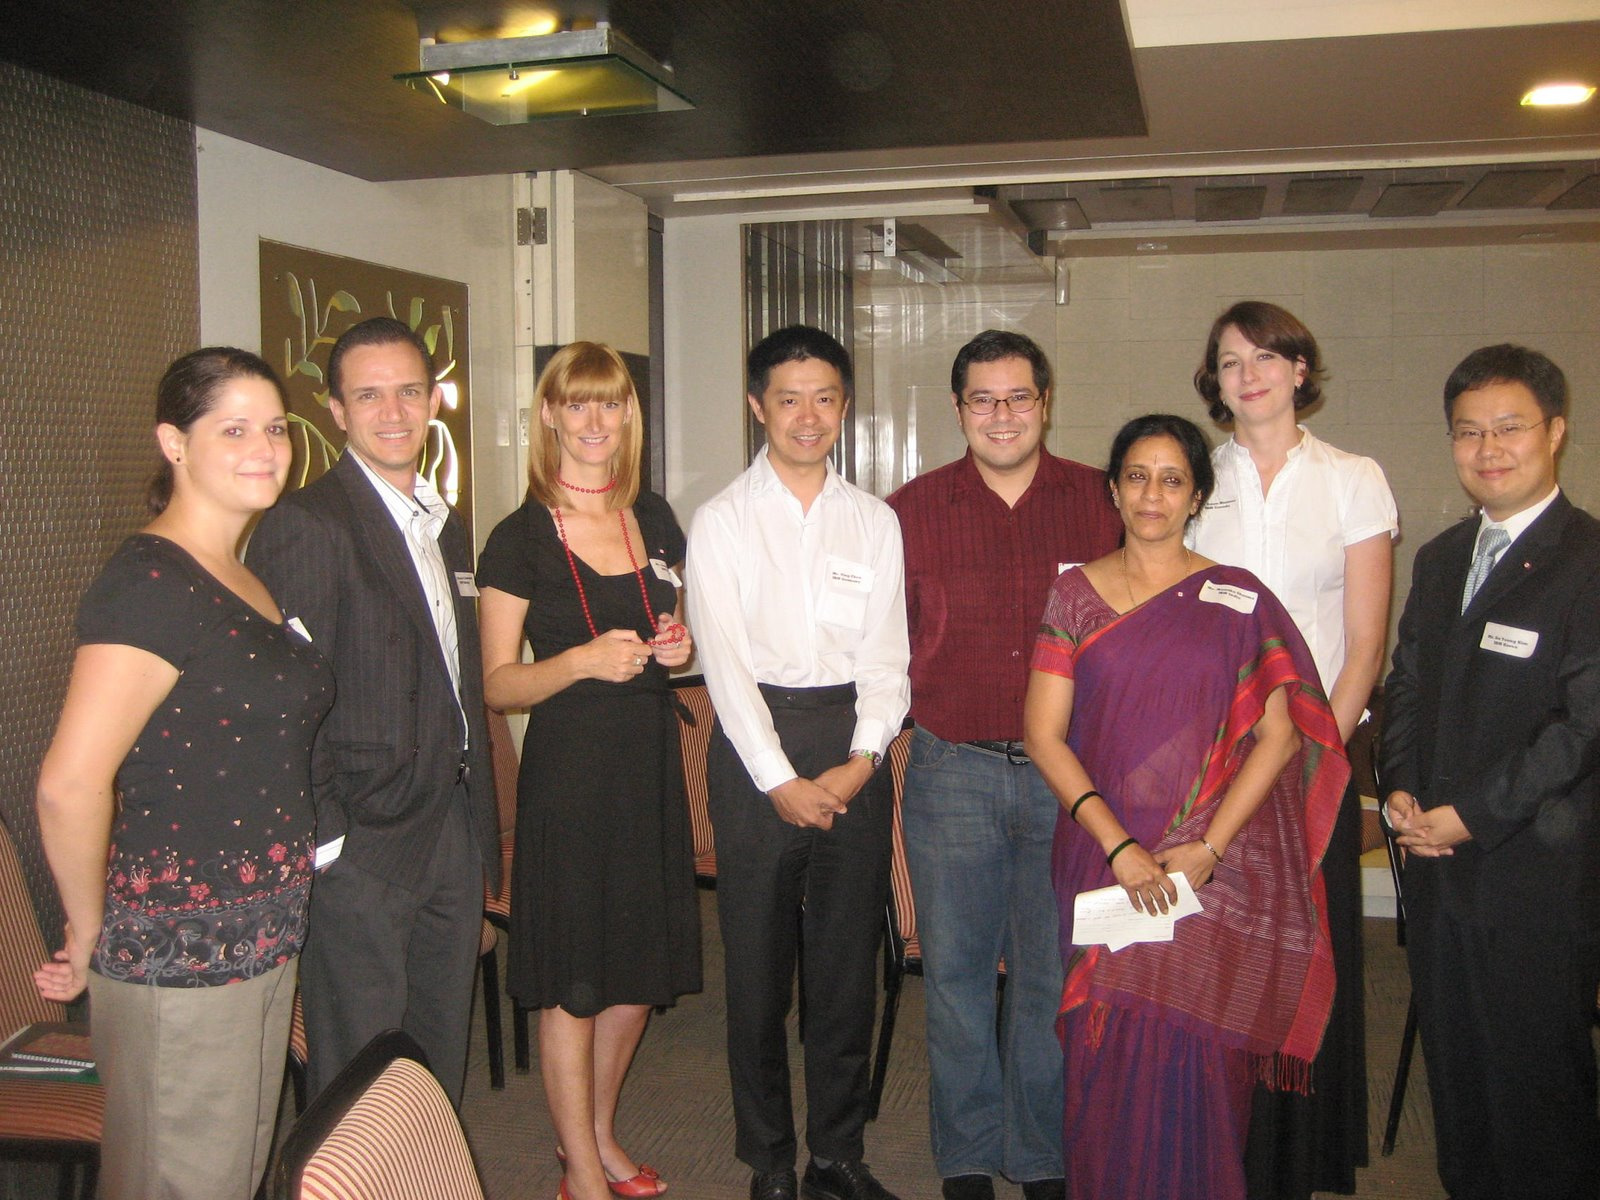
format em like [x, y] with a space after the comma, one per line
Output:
[1163, 1041]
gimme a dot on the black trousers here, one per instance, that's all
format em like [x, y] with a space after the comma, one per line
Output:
[768, 874]
[380, 956]
[1504, 1018]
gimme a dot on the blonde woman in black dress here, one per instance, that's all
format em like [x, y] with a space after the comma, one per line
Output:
[604, 921]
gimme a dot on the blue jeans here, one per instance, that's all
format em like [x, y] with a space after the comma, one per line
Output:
[978, 831]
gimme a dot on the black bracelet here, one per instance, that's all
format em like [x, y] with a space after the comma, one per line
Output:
[1078, 803]
[1119, 848]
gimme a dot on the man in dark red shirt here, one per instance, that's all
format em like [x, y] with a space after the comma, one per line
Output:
[984, 538]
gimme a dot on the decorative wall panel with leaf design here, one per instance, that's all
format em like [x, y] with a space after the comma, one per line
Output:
[308, 299]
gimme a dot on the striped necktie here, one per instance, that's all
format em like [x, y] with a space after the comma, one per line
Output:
[1491, 542]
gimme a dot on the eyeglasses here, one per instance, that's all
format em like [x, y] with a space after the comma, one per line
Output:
[983, 404]
[1500, 433]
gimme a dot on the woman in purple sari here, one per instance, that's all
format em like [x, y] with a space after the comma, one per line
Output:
[1175, 712]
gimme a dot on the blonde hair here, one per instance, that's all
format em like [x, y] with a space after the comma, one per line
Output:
[579, 373]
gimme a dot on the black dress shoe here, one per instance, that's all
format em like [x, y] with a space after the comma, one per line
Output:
[1045, 1189]
[773, 1185]
[969, 1187]
[842, 1181]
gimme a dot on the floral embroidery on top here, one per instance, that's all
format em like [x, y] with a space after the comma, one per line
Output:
[207, 881]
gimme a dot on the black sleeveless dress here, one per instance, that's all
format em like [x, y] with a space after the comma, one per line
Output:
[603, 907]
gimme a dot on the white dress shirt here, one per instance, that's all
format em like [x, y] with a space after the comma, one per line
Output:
[420, 517]
[799, 599]
[1294, 538]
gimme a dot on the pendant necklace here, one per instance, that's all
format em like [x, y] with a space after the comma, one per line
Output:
[1188, 569]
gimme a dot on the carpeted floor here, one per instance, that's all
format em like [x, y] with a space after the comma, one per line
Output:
[676, 1113]
[677, 1116]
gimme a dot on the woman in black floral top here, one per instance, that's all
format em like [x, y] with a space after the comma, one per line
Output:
[175, 803]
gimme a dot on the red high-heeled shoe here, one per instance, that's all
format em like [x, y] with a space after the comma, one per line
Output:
[643, 1186]
[646, 1184]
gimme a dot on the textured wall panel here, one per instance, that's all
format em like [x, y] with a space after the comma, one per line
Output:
[99, 290]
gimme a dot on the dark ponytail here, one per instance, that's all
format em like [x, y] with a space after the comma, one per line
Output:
[189, 390]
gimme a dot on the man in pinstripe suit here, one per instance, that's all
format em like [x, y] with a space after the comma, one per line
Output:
[378, 571]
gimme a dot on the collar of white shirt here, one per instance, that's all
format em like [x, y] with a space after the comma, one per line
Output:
[1517, 524]
[424, 499]
[1306, 440]
[763, 479]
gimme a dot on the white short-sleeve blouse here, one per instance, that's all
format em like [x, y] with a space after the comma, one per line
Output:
[1294, 538]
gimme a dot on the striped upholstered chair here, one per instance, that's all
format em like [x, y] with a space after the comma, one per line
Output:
[902, 952]
[694, 740]
[39, 1120]
[382, 1130]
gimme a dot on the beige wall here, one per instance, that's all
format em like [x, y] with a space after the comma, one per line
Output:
[461, 229]
[611, 265]
[704, 358]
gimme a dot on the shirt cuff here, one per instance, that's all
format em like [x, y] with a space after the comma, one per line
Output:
[870, 735]
[770, 769]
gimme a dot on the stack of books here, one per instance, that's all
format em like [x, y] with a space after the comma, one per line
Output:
[49, 1050]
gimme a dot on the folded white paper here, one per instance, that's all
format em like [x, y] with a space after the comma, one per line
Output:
[1106, 916]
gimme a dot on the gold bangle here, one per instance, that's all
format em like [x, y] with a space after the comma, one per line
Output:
[1211, 848]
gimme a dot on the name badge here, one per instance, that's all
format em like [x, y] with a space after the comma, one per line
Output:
[1505, 639]
[847, 576]
[1214, 505]
[1063, 568]
[665, 573]
[1237, 598]
[465, 584]
[328, 852]
[845, 588]
[295, 624]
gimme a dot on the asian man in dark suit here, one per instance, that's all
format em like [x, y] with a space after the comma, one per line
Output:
[378, 571]
[1491, 754]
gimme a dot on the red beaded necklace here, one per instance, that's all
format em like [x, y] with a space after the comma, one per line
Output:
[572, 564]
[599, 491]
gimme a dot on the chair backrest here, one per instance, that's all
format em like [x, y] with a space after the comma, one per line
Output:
[694, 740]
[382, 1130]
[903, 908]
[22, 949]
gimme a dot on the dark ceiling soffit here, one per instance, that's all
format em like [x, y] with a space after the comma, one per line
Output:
[314, 80]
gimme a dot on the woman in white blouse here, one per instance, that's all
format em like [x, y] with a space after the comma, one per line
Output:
[1316, 525]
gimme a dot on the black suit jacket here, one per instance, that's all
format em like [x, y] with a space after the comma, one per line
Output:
[1513, 742]
[386, 758]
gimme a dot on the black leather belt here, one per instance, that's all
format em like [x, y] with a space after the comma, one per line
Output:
[1011, 751]
[816, 697]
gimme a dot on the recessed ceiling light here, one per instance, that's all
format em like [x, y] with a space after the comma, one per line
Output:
[1149, 247]
[1551, 95]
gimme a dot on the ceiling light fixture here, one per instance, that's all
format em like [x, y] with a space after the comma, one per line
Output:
[583, 73]
[1557, 95]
